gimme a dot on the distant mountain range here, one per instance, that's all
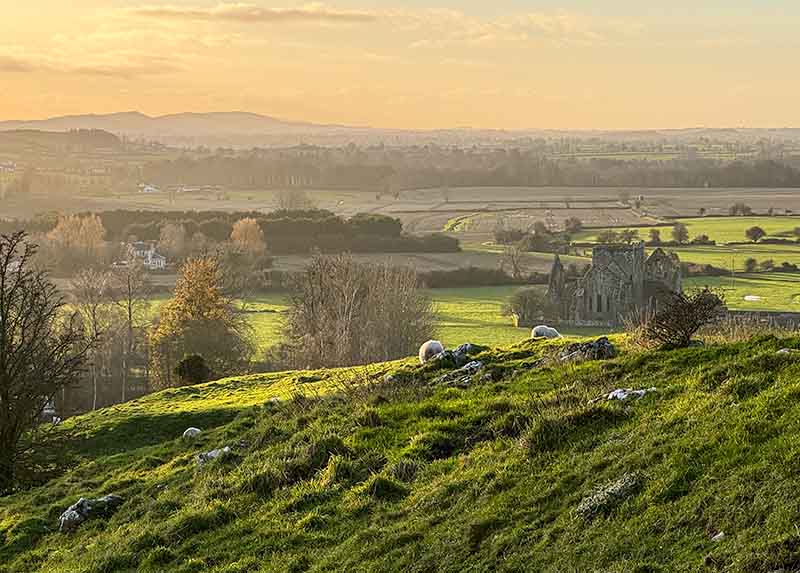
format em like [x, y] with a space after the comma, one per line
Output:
[243, 129]
[179, 124]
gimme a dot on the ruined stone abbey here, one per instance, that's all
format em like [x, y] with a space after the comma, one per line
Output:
[620, 280]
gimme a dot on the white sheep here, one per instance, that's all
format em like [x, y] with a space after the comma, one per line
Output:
[429, 350]
[191, 433]
[543, 331]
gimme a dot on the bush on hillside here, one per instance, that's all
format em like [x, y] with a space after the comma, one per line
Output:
[680, 316]
[193, 370]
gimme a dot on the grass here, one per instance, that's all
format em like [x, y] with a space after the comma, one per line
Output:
[464, 315]
[520, 473]
[775, 291]
[720, 229]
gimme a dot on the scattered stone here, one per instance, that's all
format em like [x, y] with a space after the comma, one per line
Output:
[192, 433]
[788, 351]
[600, 349]
[543, 331]
[85, 509]
[430, 350]
[390, 379]
[462, 375]
[466, 349]
[452, 358]
[605, 498]
[212, 455]
[625, 394]
[718, 537]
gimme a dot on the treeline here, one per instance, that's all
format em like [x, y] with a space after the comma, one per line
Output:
[382, 170]
[285, 232]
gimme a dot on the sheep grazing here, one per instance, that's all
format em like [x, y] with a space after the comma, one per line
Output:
[429, 350]
[543, 331]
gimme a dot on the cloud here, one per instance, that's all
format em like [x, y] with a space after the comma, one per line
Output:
[445, 27]
[123, 64]
[9, 63]
[249, 13]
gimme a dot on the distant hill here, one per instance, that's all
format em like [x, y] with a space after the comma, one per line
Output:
[179, 124]
[33, 140]
[243, 129]
[524, 466]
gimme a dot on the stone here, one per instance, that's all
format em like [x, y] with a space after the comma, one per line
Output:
[85, 509]
[452, 358]
[466, 349]
[718, 537]
[625, 394]
[461, 375]
[191, 433]
[605, 498]
[543, 331]
[600, 349]
[430, 350]
[788, 351]
[212, 455]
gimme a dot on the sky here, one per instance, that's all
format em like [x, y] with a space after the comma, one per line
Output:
[514, 64]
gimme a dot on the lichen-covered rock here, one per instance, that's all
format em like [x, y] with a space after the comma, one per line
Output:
[462, 375]
[85, 509]
[430, 350]
[543, 331]
[212, 455]
[191, 433]
[605, 498]
[600, 349]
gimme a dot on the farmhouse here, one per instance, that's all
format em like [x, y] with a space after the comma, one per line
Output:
[621, 280]
[146, 252]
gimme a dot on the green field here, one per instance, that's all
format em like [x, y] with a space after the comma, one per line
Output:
[775, 291]
[720, 229]
[472, 315]
[476, 314]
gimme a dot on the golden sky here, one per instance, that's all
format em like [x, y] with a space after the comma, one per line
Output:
[410, 64]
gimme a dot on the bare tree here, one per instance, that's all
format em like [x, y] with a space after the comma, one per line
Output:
[512, 255]
[41, 349]
[130, 287]
[91, 294]
[345, 313]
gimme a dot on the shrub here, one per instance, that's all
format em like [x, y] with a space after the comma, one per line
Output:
[755, 234]
[680, 317]
[192, 370]
[528, 306]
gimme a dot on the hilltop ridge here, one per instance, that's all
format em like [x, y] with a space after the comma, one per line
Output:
[530, 464]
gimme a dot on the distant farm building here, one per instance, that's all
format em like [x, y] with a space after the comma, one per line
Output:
[146, 252]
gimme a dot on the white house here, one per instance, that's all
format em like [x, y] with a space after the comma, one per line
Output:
[146, 252]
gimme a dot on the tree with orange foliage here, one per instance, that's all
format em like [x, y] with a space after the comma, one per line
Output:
[248, 237]
[199, 320]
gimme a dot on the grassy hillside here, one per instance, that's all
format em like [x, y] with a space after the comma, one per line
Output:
[517, 471]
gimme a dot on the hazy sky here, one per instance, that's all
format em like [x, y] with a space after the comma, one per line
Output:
[411, 63]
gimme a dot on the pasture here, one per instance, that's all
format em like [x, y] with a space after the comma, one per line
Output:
[464, 315]
[719, 229]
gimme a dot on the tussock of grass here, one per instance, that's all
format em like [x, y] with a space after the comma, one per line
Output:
[521, 473]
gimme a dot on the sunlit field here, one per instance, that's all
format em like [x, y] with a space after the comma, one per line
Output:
[720, 229]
